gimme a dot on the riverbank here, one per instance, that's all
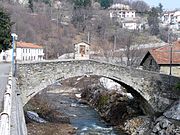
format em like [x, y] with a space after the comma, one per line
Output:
[57, 123]
[63, 107]
[116, 107]
[50, 129]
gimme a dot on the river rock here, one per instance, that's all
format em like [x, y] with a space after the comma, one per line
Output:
[156, 128]
[82, 101]
[137, 126]
[112, 105]
[33, 116]
[164, 123]
[174, 111]
[163, 126]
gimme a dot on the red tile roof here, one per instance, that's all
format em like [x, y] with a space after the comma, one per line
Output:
[162, 54]
[28, 45]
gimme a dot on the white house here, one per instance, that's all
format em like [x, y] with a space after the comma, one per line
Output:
[6, 56]
[121, 11]
[176, 17]
[24, 2]
[167, 17]
[24, 52]
[29, 52]
[131, 25]
[171, 18]
[81, 50]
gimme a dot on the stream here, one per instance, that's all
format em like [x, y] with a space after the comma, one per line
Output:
[84, 118]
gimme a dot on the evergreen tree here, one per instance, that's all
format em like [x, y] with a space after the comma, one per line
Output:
[5, 30]
[82, 3]
[105, 3]
[153, 21]
[160, 9]
[31, 5]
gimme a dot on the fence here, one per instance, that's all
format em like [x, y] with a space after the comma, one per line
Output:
[5, 116]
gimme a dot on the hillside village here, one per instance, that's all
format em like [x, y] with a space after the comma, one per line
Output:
[111, 30]
[89, 67]
[120, 32]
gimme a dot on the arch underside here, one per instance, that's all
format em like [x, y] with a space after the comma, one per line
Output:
[146, 107]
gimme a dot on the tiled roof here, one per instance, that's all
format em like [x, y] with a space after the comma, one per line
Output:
[162, 54]
[28, 45]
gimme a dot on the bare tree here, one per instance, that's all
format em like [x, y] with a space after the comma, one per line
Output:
[140, 6]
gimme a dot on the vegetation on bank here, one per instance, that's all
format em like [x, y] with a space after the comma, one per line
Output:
[178, 86]
[5, 30]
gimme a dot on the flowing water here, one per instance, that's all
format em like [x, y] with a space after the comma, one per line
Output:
[84, 118]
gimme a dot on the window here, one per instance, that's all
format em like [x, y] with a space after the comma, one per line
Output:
[23, 56]
[23, 50]
[29, 50]
[34, 57]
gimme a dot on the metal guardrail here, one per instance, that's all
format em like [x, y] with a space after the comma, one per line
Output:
[5, 115]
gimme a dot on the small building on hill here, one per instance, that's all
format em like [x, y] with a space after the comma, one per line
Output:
[81, 50]
[162, 59]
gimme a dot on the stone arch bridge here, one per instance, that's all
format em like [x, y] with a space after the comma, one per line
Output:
[152, 86]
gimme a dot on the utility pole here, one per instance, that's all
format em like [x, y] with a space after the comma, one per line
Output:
[114, 47]
[14, 38]
[88, 37]
[170, 53]
[170, 58]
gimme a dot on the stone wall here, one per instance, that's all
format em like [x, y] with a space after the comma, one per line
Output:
[150, 64]
[153, 87]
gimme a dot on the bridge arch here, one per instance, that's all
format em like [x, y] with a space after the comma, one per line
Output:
[33, 77]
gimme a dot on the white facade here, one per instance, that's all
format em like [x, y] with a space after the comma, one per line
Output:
[122, 14]
[121, 11]
[167, 18]
[24, 2]
[176, 18]
[172, 19]
[129, 25]
[81, 51]
[24, 52]
[6, 56]
[29, 54]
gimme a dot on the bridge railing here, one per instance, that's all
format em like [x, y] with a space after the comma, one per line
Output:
[5, 115]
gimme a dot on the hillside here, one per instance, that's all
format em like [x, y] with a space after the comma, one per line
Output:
[58, 26]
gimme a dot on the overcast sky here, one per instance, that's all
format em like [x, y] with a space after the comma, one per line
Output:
[167, 4]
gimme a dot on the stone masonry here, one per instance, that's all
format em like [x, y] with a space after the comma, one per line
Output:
[152, 86]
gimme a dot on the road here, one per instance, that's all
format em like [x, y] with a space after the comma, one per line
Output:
[4, 72]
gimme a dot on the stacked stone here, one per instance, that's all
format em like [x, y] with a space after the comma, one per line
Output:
[163, 126]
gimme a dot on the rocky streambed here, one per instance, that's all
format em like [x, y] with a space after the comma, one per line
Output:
[69, 109]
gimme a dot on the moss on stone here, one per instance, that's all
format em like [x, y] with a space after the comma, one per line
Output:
[178, 86]
[103, 100]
